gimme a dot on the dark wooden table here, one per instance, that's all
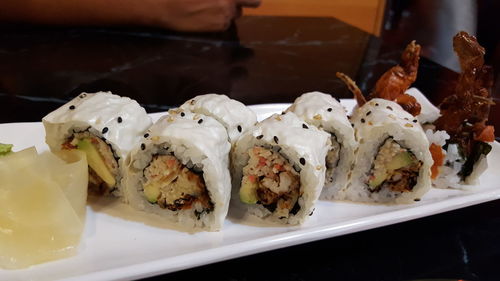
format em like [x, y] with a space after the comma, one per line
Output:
[260, 60]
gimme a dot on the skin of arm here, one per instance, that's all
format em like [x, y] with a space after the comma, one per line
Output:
[181, 15]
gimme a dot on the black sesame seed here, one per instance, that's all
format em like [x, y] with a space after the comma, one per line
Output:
[71, 107]
[305, 126]
[376, 104]
[416, 199]
[415, 121]
[362, 120]
[146, 135]
[352, 124]
[200, 121]
[329, 109]
[104, 130]
[182, 114]
[302, 161]
[259, 137]
[143, 146]
[120, 120]
[275, 138]
[388, 107]
[368, 113]
[239, 128]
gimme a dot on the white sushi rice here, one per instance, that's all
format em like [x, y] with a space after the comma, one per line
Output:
[202, 145]
[374, 122]
[323, 111]
[119, 121]
[447, 176]
[294, 142]
[232, 114]
[438, 137]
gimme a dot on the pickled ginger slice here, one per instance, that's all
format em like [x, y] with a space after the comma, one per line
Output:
[42, 201]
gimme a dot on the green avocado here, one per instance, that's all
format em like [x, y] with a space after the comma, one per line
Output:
[152, 191]
[96, 162]
[248, 191]
[400, 160]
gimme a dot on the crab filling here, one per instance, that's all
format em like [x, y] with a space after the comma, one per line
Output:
[173, 186]
[103, 165]
[332, 159]
[269, 179]
[395, 168]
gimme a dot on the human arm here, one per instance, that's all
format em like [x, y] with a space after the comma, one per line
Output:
[181, 15]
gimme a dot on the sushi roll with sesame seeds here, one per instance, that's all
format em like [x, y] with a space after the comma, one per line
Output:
[393, 160]
[181, 171]
[279, 169]
[232, 114]
[325, 112]
[106, 127]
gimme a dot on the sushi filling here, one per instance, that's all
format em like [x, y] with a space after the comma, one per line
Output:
[332, 159]
[174, 186]
[270, 180]
[103, 165]
[394, 168]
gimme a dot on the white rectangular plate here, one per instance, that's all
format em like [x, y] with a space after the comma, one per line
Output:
[118, 243]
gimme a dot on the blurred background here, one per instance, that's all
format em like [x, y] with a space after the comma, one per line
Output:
[430, 22]
[271, 54]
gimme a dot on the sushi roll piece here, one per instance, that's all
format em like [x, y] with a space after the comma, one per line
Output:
[104, 126]
[181, 171]
[279, 169]
[393, 160]
[325, 112]
[232, 114]
[461, 138]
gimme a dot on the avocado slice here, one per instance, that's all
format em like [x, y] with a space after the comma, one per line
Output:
[96, 162]
[248, 191]
[152, 191]
[400, 160]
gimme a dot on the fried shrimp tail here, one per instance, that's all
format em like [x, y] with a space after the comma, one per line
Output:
[464, 114]
[393, 84]
[409, 103]
[351, 85]
[470, 53]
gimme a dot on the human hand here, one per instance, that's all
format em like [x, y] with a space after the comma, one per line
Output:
[181, 15]
[200, 15]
